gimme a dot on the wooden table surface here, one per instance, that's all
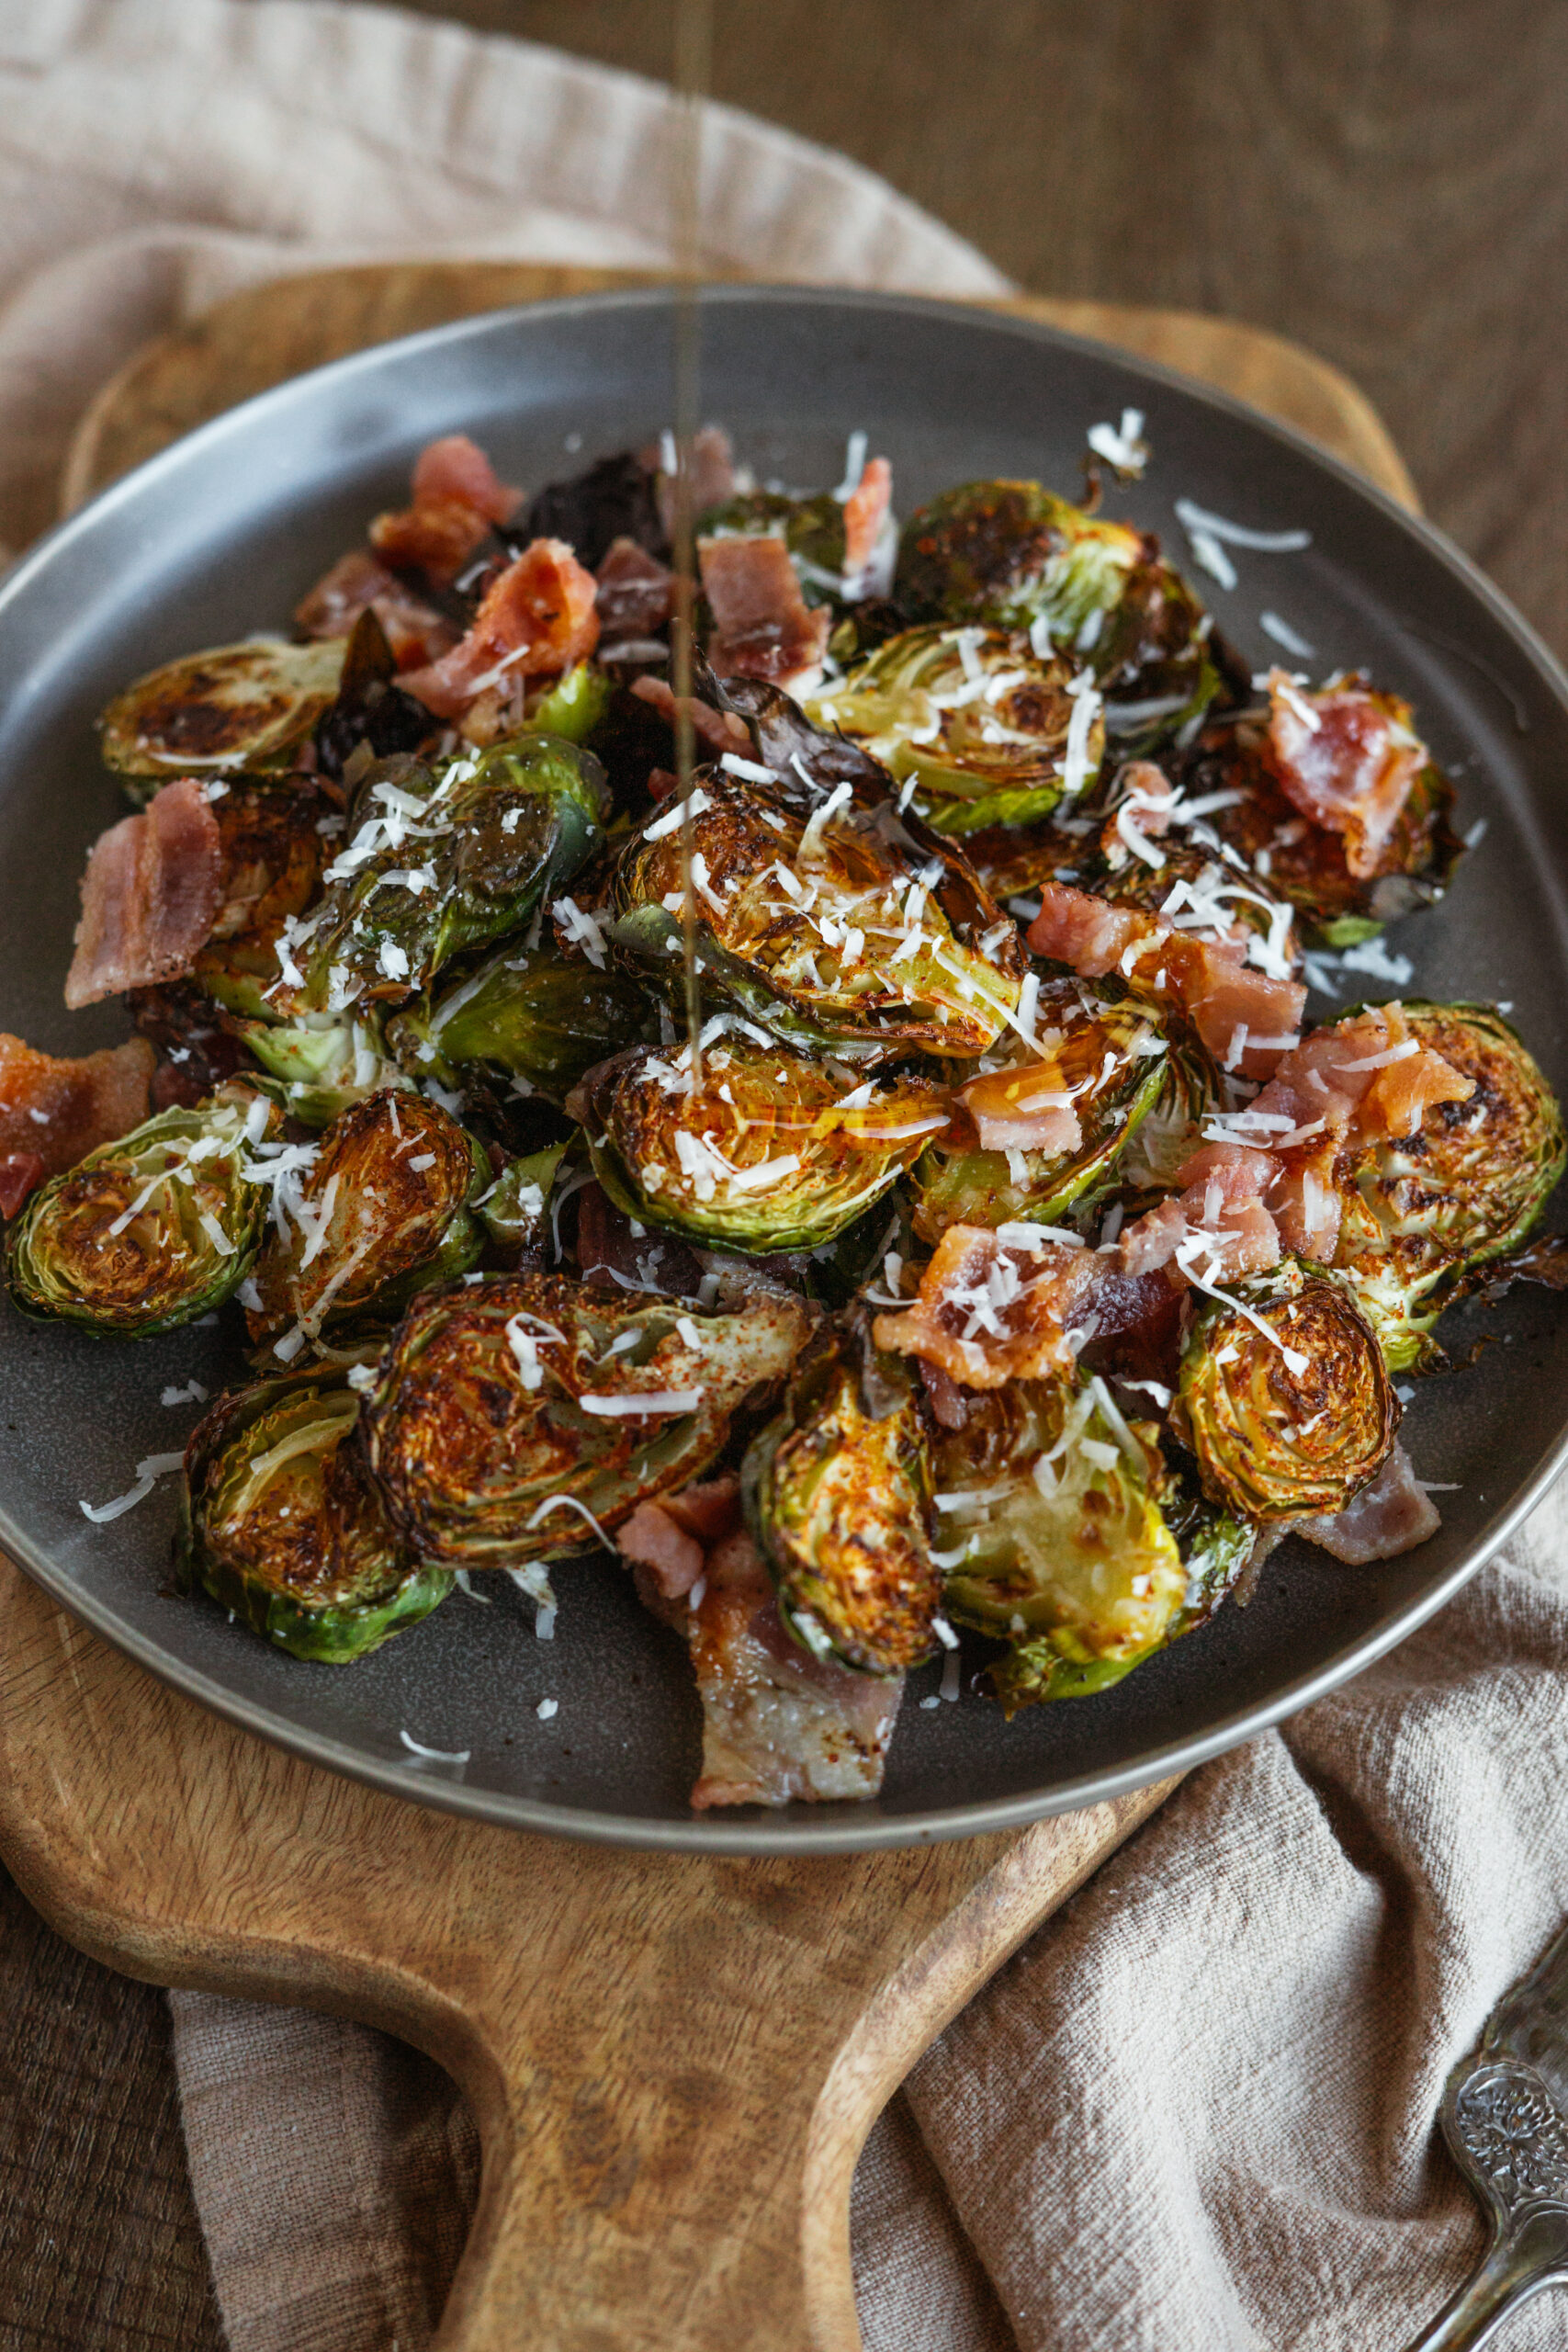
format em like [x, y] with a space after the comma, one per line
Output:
[1384, 180]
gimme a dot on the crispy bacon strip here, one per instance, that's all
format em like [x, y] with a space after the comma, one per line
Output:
[777, 1725]
[1241, 1014]
[416, 632]
[763, 626]
[150, 896]
[535, 618]
[636, 595]
[1347, 759]
[52, 1112]
[725, 730]
[457, 500]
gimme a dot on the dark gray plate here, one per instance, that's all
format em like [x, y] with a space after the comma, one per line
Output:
[221, 535]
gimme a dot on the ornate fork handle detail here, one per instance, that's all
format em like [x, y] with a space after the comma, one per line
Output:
[1506, 2136]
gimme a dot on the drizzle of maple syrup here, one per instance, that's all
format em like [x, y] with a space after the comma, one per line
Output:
[693, 63]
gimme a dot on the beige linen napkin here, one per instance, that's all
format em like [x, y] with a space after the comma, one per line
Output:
[1195, 2115]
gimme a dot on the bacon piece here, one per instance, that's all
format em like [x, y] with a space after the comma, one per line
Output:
[150, 896]
[1392, 1514]
[416, 632]
[1365, 1072]
[636, 595]
[456, 467]
[21, 1173]
[536, 616]
[457, 500]
[989, 1311]
[1347, 759]
[650, 1539]
[1220, 1209]
[1306, 1204]
[56, 1111]
[1241, 1014]
[763, 626]
[712, 474]
[865, 512]
[1022, 1110]
[726, 730]
[1400, 1096]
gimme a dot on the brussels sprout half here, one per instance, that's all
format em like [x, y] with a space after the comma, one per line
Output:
[442, 860]
[837, 929]
[1051, 1526]
[511, 1418]
[152, 1230]
[1012, 553]
[982, 727]
[538, 1018]
[1112, 1060]
[381, 1211]
[767, 1152]
[837, 1499]
[279, 1524]
[1426, 1212]
[235, 707]
[1283, 1396]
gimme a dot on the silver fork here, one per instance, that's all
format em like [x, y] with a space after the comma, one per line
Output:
[1503, 2118]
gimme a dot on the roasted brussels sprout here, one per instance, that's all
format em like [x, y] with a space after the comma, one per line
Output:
[1051, 1528]
[1283, 1396]
[1305, 863]
[838, 1497]
[1215, 1547]
[442, 860]
[272, 843]
[152, 1231]
[989, 734]
[835, 930]
[235, 707]
[1424, 1213]
[279, 1524]
[536, 1018]
[511, 1419]
[381, 1211]
[322, 1063]
[765, 1153]
[1106, 1062]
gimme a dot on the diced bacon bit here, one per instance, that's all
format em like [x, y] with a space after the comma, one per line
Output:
[457, 499]
[21, 1173]
[635, 594]
[416, 632]
[1222, 1204]
[54, 1113]
[536, 616]
[712, 474]
[150, 896]
[1022, 1110]
[1347, 759]
[763, 626]
[865, 512]
[1228, 1001]
[1392, 1514]
[671, 1538]
[726, 730]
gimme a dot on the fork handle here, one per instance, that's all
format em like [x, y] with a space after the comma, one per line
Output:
[1531, 2255]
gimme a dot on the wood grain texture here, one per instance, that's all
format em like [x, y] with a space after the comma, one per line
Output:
[263, 336]
[672, 2062]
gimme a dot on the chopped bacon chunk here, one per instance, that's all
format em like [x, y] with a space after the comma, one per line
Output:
[1392, 1514]
[866, 512]
[989, 1311]
[1347, 759]
[416, 632]
[712, 474]
[1216, 1228]
[636, 595]
[150, 896]
[1022, 1110]
[725, 730]
[56, 1112]
[457, 500]
[536, 616]
[21, 1173]
[650, 1539]
[762, 626]
[1245, 1017]
[456, 467]
[1366, 1072]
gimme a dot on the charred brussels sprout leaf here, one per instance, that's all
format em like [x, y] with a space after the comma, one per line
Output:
[381, 1211]
[982, 727]
[150, 1231]
[835, 930]
[536, 1018]
[1051, 1501]
[279, 1523]
[1424, 1213]
[504, 1412]
[765, 1153]
[1108, 1061]
[838, 1497]
[235, 706]
[442, 859]
[1285, 1397]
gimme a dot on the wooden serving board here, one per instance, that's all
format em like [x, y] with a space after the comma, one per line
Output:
[674, 2062]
